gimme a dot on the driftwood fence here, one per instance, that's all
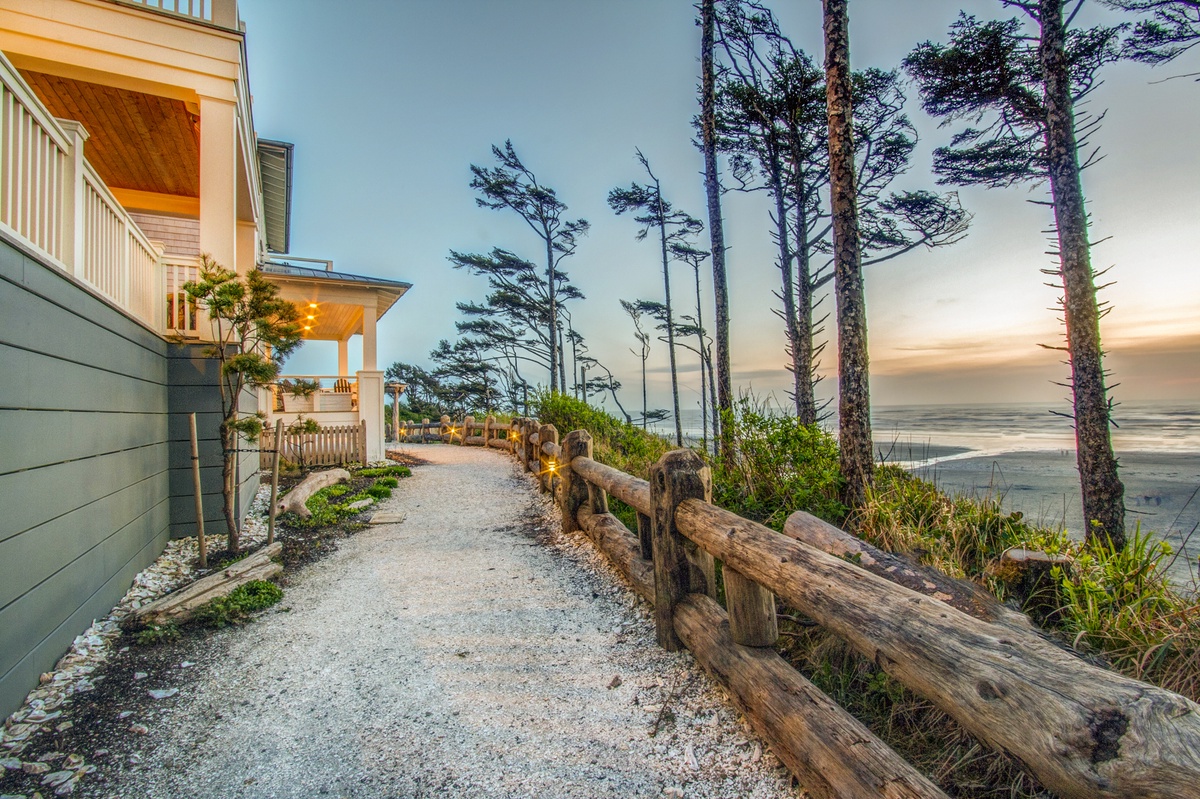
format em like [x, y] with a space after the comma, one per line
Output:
[333, 445]
[1081, 730]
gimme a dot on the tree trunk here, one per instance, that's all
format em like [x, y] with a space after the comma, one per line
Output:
[716, 230]
[229, 482]
[806, 399]
[562, 363]
[854, 400]
[1103, 494]
[662, 230]
[553, 312]
[712, 392]
[703, 367]
[799, 375]
[645, 407]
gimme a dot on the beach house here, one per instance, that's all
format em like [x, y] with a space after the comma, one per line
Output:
[127, 148]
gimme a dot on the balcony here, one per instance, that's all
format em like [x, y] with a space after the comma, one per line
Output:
[221, 13]
[54, 203]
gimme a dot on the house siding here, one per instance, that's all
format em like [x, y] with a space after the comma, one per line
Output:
[192, 380]
[94, 449]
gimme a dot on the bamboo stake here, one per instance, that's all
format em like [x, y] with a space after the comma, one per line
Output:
[274, 481]
[200, 542]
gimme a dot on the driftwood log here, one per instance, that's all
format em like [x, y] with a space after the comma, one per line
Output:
[831, 752]
[296, 499]
[966, 596]
[1084, 732]
[180, 605]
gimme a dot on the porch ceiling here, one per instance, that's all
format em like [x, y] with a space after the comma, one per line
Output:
[136, 141]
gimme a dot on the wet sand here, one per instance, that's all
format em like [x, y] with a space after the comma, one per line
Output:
[1160, 492]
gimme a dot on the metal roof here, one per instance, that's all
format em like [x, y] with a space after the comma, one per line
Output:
[291, 270]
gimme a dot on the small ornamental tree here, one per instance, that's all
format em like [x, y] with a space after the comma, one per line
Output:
[253, 332]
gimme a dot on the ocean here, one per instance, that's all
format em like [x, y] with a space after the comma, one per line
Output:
[924, 432]
[1024, 455]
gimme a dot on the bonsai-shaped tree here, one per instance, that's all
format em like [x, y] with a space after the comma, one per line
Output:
[253, 332]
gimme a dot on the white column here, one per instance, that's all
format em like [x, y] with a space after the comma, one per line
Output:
[368, 339]
[344, 358]
[218, 181]
[370, 410]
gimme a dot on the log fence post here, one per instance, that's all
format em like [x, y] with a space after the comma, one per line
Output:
[575, 494]
[645, 534]
[527, 430]
[468, 422]
[546, 466]
[678, 475]
[425, 430]
[444, 429]
[489, 423]
[597, 499]
[752, 620]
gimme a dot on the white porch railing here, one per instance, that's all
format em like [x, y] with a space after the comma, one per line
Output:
[183, 317]
[34, 155]
[334, 394]
[52, 200]
[219, 12]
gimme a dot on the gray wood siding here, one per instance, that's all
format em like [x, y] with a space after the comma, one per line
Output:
[95, 464]
[84, 469]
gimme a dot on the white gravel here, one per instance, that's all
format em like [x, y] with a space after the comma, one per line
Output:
[471, 650]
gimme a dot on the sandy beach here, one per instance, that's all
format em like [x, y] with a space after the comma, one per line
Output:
[1160, 490]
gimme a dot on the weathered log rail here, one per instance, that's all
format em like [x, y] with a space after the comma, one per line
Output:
[1081, 730]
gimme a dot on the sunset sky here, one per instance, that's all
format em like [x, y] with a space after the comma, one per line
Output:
[389, 101]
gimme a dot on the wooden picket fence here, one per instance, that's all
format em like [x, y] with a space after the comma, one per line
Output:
[1081, 730]
[332, 445]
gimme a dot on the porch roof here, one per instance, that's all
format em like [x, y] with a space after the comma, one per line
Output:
[333, 301]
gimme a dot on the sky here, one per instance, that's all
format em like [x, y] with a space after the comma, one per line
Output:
[389, 102]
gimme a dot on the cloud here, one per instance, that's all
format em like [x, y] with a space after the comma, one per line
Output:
[1160, 369]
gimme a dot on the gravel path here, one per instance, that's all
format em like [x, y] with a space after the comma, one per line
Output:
[470, 650]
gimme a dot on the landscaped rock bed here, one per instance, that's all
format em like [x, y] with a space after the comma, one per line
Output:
[104, 688]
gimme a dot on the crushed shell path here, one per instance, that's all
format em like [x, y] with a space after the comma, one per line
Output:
[470, 650]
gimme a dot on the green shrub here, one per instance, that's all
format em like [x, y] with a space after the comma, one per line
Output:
[157, 634]
[614, 442]
[254, 596]
[378, 490]
[779, 466]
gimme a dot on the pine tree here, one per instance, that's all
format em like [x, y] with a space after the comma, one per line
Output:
[1028, 88]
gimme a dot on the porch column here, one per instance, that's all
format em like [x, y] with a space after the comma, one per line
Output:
[369, 362]
[218, 182]
[247, 246]
[343, 357]
[370, 410]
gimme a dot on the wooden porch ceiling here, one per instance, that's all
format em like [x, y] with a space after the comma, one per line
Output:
[136, 141]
